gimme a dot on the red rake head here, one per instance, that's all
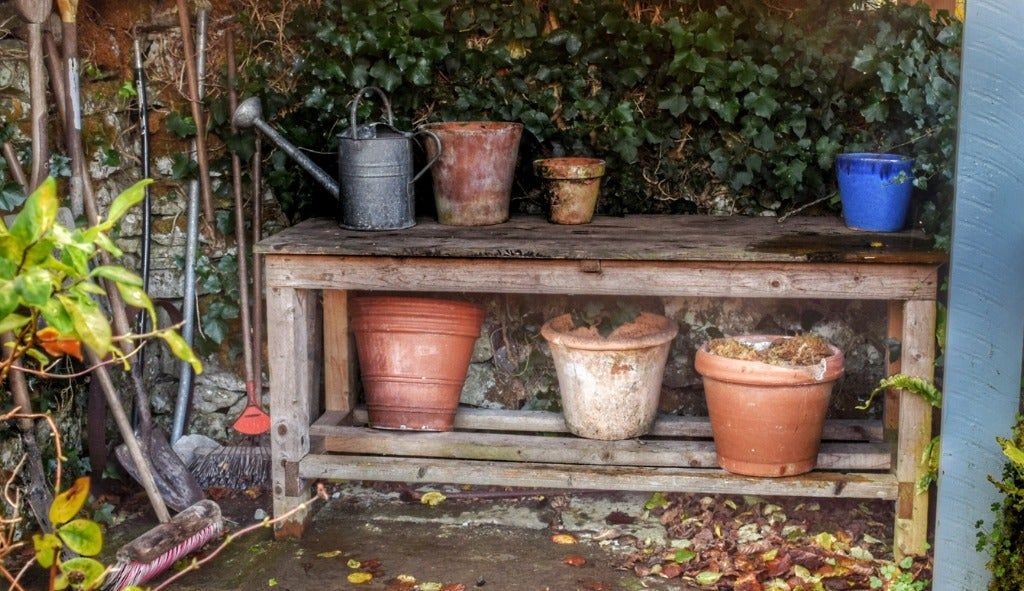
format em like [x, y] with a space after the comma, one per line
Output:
[252, 421]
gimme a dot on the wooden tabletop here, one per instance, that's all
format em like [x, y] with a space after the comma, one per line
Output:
[634, 237]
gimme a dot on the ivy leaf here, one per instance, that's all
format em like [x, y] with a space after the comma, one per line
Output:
[875, 112]
[82, 536]
[68, 503]
[181, 126]
[183, 167]
[386, 74]
[675, 104]
[431, 20]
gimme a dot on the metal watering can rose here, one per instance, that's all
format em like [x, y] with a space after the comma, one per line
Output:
[376, 181]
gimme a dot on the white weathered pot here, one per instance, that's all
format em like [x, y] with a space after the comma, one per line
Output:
[610, 387]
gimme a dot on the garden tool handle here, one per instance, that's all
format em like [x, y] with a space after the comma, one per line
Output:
[355, 107]
[440, 148]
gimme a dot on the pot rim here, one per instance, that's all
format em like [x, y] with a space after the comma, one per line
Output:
[467, 127]
[460, 305]
[556, 332]
[569, 167]
[882, 157]
[743, 371]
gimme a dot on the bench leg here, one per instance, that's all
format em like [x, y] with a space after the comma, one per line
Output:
[915, 429]
[340, 369]
[293, 330]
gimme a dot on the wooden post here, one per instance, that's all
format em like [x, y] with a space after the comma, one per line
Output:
[915, 429]
[340, 370]
[891, 410]
[985, 321]
[293, 332]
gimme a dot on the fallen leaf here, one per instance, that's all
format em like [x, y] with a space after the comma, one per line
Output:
[272, 583]
[574, 560]
[592, 585]
[619, 518]
[684, 555]
[358, 578]
[671, 571]
[453, 587]
[353, 563]
[747, 582]
[708, 577]
[825, 540]
[657, 501]
[406, 579]
[429, 587]
[432, 498]
[770, 555]
[329, 554]
[563, 539]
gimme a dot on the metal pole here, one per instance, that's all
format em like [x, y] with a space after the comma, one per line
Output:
[188, 305]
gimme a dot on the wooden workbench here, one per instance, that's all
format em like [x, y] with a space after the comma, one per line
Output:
[319, 432]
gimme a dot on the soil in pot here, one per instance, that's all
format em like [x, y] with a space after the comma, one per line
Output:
[413, 357]
[571, 186]
[610, 385]
[767, 399]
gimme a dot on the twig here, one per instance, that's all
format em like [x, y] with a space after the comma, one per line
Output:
[789, 214]
[90, 369]
[196, 564]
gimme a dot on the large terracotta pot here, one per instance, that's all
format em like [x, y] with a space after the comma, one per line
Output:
[413, 357]
[473, 176]
[610, 386]
[767, 419]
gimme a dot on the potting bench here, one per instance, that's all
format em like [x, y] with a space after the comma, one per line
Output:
[319, 432]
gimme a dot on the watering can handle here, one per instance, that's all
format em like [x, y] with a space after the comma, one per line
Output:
[440, 148]
[359, 97]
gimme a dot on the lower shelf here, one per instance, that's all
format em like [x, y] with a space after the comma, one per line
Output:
[538, 475]
[532, 448]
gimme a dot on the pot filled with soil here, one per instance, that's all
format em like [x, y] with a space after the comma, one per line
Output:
[610, 366]
[767, 398]
[476, 162]
[571, 186]
[413, 357]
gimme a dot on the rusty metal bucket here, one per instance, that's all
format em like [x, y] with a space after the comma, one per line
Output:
[473, 176]
[413, 357]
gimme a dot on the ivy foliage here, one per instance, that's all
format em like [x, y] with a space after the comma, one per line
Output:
[734, 108]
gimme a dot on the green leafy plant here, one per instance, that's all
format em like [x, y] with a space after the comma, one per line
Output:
[49, 283]
[926, 390]
[81, 536]
[604, 317]
[1004, 540]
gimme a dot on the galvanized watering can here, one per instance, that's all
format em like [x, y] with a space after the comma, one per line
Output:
[375, 186]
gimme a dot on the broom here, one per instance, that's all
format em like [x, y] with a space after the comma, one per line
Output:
[239, 467]
[156, 550]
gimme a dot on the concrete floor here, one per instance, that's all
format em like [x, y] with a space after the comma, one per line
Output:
[461, 544]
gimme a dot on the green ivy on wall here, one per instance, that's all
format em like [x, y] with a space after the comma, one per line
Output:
[697, 107]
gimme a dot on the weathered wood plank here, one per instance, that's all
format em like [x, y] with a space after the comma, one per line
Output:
[915, 430]
[340, 369]
[506, 447]
[484, 419]
[637, 237]
[775, 280]
[293, 332]
[698, 480]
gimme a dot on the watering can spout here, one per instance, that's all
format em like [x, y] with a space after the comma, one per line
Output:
[250, 114]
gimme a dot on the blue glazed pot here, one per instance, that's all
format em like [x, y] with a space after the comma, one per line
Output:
[875, 190]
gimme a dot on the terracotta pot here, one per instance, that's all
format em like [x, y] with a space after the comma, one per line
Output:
[767, 419]
[473, 177]
[413, 358]
[571, 186]
[610, 386]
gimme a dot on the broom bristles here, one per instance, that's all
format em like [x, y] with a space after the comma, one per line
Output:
[252, 421]
[232, 467]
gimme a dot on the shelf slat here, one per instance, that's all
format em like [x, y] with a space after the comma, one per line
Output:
[697, 480]
[484, 419]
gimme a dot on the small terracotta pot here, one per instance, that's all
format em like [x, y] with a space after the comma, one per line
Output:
[413, 357]
[572, 186]
[767, 419]
[610, 386]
